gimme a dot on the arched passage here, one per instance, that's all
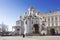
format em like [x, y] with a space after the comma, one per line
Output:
[36, 27]
[52, 31]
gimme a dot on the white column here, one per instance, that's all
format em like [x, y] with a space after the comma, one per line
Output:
[29, 27]
[25, 28]
[20, 31]
[54, 21]
[58, 21]
[50, 21]
[39, 27]
[47, 21]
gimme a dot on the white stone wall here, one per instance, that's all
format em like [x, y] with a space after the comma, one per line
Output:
[18, 23]
[54, 22]
[21, 24]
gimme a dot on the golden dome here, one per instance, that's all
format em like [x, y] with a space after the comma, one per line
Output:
[29, 18]
[31, 9]
[43, 16]
[38, 13]
[20, 16]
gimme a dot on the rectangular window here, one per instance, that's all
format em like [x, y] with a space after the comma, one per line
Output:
[52, 18]
[43, 24]
[45, 20]
[32, 22]
[36, 21]
[56, 18]
[32, 28]
[48, 24]
[18, 23]
[48, 18]
[59, 17]
[59, 28]
[52, 24]
[56, 24]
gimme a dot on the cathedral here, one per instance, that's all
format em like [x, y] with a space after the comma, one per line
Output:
[37, 23]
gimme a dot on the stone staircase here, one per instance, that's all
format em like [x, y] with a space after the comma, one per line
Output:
[35, 34]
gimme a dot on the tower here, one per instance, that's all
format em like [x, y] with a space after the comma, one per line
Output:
[31, 11]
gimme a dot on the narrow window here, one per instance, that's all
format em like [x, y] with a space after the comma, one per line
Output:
[56, 18]
[56, 24]
[45, 20]
[48, 18]
[52, 18]
[36, 21]
[32, 22]
[48, 24]
[26, 22]
[52, 24]
[59, 17]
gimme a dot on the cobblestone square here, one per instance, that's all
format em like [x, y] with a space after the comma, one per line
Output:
[30, 38]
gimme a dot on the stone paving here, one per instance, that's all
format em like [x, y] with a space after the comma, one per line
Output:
[30, 38]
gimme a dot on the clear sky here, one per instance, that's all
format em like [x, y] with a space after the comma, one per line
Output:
[10, 10]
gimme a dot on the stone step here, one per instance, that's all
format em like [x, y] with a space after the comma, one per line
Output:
[36, 34]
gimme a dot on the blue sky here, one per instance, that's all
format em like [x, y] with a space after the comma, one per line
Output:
[10, 10]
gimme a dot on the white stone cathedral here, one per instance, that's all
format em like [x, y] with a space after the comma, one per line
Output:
[37, 23]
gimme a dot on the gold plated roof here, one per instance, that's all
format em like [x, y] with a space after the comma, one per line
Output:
[31, 9]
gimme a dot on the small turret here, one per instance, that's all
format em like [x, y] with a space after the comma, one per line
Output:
[20, 17]
[38, 13]
[25, 15]
[43, 16]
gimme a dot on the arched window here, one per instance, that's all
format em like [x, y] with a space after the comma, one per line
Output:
[18, 29]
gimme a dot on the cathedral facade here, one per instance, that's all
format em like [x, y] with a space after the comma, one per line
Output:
[36, 23]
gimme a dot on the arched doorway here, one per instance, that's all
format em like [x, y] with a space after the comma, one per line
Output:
[36, 27]
[52, 31]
